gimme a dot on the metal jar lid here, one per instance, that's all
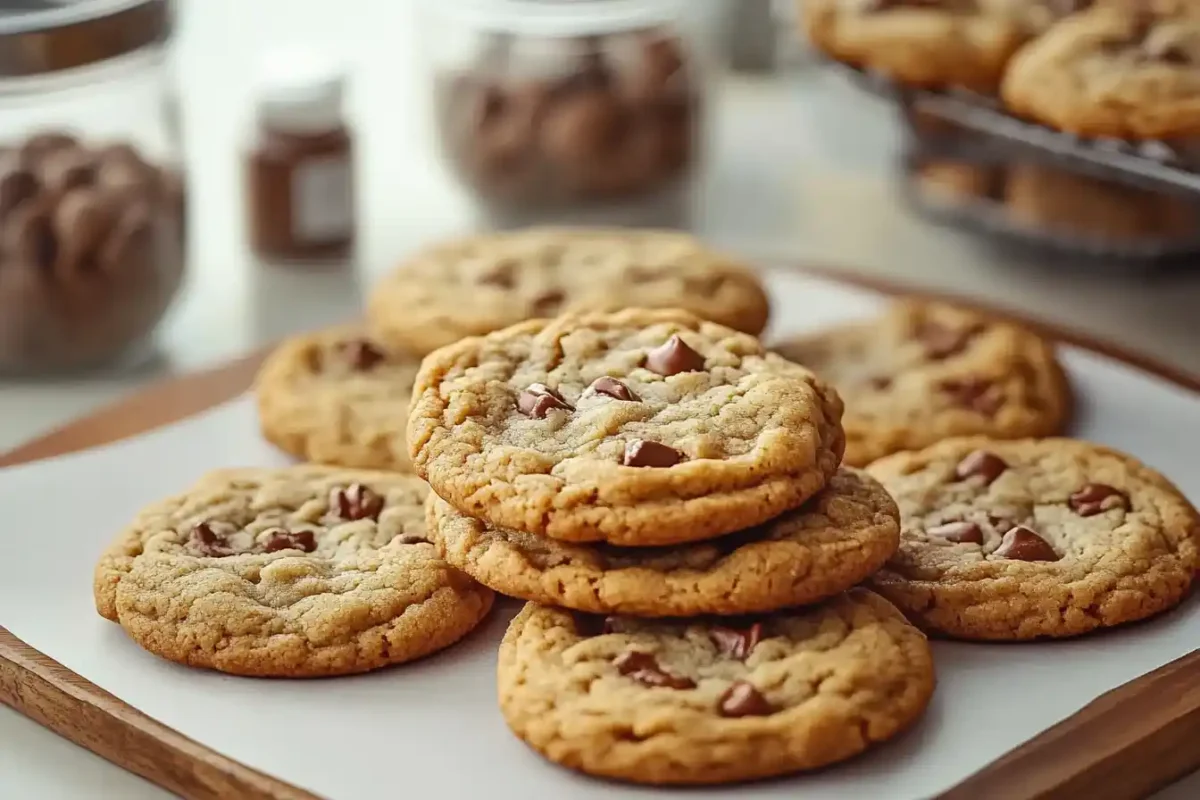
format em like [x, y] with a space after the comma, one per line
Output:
[43, 36]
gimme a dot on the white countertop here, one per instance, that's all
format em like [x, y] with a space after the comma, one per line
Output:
[812, 154]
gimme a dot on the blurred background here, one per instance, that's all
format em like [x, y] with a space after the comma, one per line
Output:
[182, 182]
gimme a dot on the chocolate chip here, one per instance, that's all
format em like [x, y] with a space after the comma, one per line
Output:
[958, 532]
[1022, 544]
[644, 668]
[412, 538]
[360, 354]
[980, 463]
[736, 642]
[502, 275]
[941, 341]
[613, 388]
[548, 302]
[17, 186]
[538, 399]
[205, 537]
[1166, 52]
[355, 502]
[741, 699]
[673, 357]
[290, 540]
[880, 383]
[1089, 500]
[596, 625]
[641, 453]
[976, 394]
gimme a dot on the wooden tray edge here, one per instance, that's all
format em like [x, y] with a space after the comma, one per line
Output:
[1103, 752]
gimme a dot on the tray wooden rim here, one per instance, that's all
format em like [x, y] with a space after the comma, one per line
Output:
[1152, 722]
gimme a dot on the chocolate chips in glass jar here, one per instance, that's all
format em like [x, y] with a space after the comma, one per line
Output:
[539, 124]
[91, 251]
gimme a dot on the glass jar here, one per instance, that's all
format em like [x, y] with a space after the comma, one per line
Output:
[92, 196]
[587, 112]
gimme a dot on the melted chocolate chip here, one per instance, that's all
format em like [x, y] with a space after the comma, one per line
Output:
[957, 532]
[361, 354]
[976, 394]
[736, 642]
[596, 625]
[412, 538]
[548, 302]
[941, 341]
[880, 383]
[1090, 500]
[644, 668]
[673, 357]
[613, 388]
[982, 464]
[539, 399]
[291, 540]
[208, 541]
[355, 502]
[1022, 544]
[502, 275]
[1166, 52]
[641, 453]
[741, 699]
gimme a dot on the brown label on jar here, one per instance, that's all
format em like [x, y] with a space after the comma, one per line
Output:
[322, 200]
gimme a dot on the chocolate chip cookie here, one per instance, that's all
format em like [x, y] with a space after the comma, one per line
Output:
[1118, 70]
[295, 572]
[338, 397]
[923, 43]
[469, 287]
[832, 542]
[696, 701]
[923, 371]
[636, 428]
[1029, 539]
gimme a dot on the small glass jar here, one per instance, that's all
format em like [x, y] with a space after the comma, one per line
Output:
[300, 167]
[585, 112]
[92, 196]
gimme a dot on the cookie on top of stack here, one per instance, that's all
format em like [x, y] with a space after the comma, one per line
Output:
[668, 497]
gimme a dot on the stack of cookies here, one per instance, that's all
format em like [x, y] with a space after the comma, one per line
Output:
[710, 536]
[669, 498]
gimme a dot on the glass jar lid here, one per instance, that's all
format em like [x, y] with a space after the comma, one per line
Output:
[42, 36]
[559, 18]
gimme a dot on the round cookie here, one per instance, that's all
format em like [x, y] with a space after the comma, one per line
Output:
[1035, 538]
[1117, 70]
[295, 572]
[924, 371]
[636, 428]
[922, 43]
[695, 702]
[544, 272]
[833, 542]
[337, 397]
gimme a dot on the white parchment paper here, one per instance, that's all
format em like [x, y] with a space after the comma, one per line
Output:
[432, 729]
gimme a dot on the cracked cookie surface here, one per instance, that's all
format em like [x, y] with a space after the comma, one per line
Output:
[337, 397]
[695, 702]
[544, 272]
[831, 543]
[1029, 539]
[635, 428]
[1125, 71]
[294, 572]
[922, 372]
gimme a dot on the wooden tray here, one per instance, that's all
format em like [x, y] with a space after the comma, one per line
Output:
[1125, 744]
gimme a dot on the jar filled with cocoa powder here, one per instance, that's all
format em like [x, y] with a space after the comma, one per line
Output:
[92, 192]
[569, 111]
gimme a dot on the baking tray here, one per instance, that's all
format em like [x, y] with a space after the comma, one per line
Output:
[1007, 723]
[1150, 165]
